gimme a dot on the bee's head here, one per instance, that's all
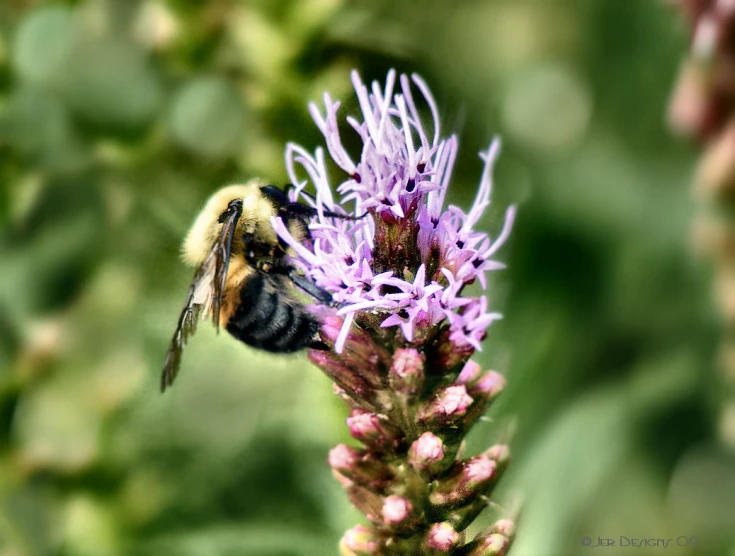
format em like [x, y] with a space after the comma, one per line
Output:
[207, 227]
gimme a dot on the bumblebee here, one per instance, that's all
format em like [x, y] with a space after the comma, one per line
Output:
[243, 279]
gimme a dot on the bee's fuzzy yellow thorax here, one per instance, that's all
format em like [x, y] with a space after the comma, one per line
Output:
[256, 212]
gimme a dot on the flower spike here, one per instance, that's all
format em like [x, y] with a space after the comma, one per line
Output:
[399, 341]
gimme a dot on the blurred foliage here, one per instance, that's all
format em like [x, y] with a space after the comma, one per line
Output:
[119, 117]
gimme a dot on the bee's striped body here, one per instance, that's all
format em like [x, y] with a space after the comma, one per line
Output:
[243, 279]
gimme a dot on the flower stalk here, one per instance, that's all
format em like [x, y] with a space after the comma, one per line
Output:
[702, 108]
[399, 343]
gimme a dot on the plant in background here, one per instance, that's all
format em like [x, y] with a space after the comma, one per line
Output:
[399, 346]
[701, 107]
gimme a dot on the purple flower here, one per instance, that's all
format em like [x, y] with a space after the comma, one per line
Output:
[409, 259]
[397, 269]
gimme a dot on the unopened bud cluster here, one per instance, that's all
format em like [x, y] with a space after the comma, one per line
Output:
[408, 479]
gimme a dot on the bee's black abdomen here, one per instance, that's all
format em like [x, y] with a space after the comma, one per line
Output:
[271, 321]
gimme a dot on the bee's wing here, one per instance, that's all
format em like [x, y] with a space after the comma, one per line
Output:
[205, 294]
[221, 253]
[195, 305]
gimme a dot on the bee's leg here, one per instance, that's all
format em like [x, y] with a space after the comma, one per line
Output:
[306, 285]
[296, 210]
[278, 267]
[290, 210]
[319, 345]
[300, 221]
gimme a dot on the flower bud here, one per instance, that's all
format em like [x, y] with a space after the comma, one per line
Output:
[340, 392]
[345, 377]
[342, 457]
[695, 110]
[358, 466]
[396, 510]
[407, 372]
[500, 454]
[426, 454]
[359, 541]
[370, 429]
[505, 527]
[449, 405]
[461, 517]
[716, 172]
[471, 479]
[483, 391]
[493, 544]
[490, 384]
[368, 502]
[449, 355]
[470, 373]
[442, 538]
[359, 352]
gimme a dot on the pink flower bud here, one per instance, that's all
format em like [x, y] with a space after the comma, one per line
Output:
[716, 172]
[363, 424]
[472, 478]
[396, 509]
[428, 448]
[361, 467]
[426, 454]
[493, 544]
[442, 538]
[505, 527]
[367, 501]
[344, 396]
[370, 429]
[500, 454]
[407, 372]
[489, 385]
[343, 457]
[484, 391]
[449, 354]
[359, 541]
[454, 400]
[450, 404]
[462, 516]
[479, 470]
[470, 373]
[357, 350]
[355, 386]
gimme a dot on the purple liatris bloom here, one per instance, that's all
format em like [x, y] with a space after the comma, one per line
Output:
[399, 342]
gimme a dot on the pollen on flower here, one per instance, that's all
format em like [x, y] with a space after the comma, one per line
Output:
[410, 257]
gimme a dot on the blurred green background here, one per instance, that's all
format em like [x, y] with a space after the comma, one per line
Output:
[119, 117]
